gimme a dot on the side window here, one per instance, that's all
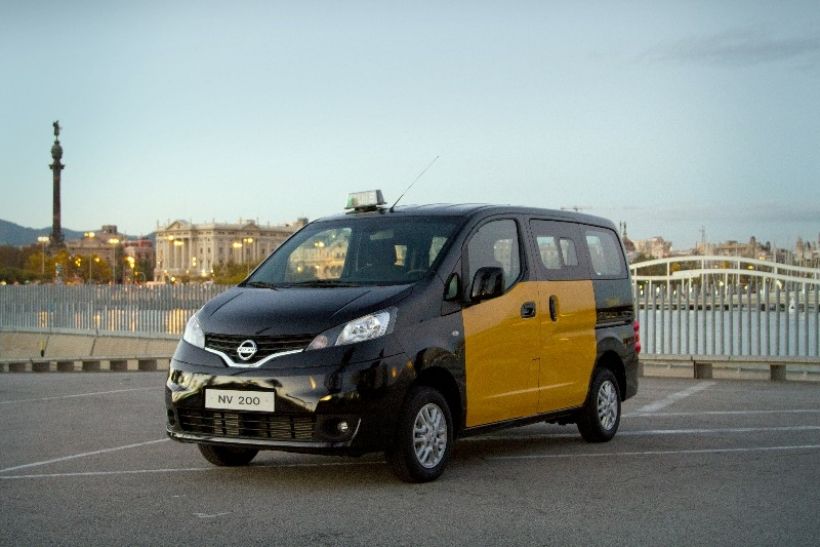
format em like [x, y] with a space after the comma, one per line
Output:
[495, 244]
[605, 253]
[557, 253]
[557, 248]
[548, 249]
[568, 252]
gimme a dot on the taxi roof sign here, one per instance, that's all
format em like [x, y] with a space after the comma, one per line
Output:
[369, 200]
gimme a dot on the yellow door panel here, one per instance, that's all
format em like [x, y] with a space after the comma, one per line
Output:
[501, 357]
[568, 343]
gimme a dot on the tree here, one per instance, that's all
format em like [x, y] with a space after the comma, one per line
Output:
[230, 273]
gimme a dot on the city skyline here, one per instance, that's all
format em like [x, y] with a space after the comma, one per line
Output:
[668, 117]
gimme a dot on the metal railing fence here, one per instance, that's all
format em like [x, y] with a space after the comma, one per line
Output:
[688, 316]
[760, 318]
[727, 306]
[103, 308]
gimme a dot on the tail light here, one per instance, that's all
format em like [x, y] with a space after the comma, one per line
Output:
[637, 327]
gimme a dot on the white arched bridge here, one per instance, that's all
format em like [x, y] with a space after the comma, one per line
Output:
[727, 305]
[710, 269]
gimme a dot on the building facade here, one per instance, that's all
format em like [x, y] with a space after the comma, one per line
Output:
[131, 260]
[104, 244]
[184, 249]
[656, 247]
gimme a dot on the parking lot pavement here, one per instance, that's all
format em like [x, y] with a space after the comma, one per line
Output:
[84, 460]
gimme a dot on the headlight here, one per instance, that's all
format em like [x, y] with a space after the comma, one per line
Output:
[364, 328]
[193, 332]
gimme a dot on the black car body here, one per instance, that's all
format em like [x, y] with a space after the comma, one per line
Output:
[400, 330]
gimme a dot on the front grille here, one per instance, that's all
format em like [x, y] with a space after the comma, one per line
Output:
[265, 345]
[240, 425]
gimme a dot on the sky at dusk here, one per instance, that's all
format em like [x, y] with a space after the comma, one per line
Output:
[670, 116]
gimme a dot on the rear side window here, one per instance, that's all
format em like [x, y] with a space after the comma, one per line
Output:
[557, 245]
[557, 253]
[605, 253]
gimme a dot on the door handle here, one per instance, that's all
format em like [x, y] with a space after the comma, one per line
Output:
[528, 310]
[554, 307]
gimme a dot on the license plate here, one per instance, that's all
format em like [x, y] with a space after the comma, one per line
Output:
[230, 399]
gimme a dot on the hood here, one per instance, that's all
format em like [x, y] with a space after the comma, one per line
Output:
[293, 311]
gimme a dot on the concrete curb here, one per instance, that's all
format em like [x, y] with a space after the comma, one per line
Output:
[705, 367]
[150, 363]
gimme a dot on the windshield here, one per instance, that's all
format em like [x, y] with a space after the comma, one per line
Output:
[373, 251]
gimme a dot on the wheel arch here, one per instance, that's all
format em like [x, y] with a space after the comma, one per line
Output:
[442, 381]
[611, 360]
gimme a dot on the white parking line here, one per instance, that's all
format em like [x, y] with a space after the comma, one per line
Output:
[92, 394]
[721, 413]
[705, 451]
[649, 433]
[658, 452]
[675, 397]
[105, 473]
[82, 455]
[187, 469]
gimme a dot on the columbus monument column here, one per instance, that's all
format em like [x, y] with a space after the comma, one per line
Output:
[57, 239]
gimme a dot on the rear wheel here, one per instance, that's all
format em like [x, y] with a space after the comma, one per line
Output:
[227, 456]
[599, 419]
[424, 437]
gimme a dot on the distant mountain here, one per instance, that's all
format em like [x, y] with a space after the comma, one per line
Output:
[20, 236]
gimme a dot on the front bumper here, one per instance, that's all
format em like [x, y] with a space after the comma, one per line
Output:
[342, 407]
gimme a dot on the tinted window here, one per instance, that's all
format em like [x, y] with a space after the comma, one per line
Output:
[568, 252]
[558, 244]
[496, 245]
[557, 253]
[605, 253]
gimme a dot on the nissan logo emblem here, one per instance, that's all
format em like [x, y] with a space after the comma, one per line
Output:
[246, 350]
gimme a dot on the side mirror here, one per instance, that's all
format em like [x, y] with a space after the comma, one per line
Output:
[488, 282]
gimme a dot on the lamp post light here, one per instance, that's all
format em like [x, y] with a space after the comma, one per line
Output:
[177, 263]
[247, 241]
[43, 240]
[131, 261]
[237, 245]
[91, 260]
[114, 242]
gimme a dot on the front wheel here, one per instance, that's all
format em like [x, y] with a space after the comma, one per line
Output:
[227, 456]
[424, 437]
[598, 420]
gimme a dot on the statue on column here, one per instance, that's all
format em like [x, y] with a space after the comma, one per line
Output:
[57, 239]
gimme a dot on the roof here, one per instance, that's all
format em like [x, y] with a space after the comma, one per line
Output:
[469, 209]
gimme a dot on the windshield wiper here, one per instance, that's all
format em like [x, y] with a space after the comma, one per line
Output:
[325, 283]
[261, 285]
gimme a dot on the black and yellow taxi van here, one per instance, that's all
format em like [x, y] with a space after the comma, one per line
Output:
[402, 329]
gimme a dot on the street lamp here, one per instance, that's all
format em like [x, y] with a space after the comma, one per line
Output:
[90, 262]
[247, 241]
[131, 261]
[237, 245]
[43, 240]
[114, 242]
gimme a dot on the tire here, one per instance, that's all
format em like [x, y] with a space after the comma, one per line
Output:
[227, 456]
[424, 437]
[598, 420]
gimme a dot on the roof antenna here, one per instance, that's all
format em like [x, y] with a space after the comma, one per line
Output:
[414, 182]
